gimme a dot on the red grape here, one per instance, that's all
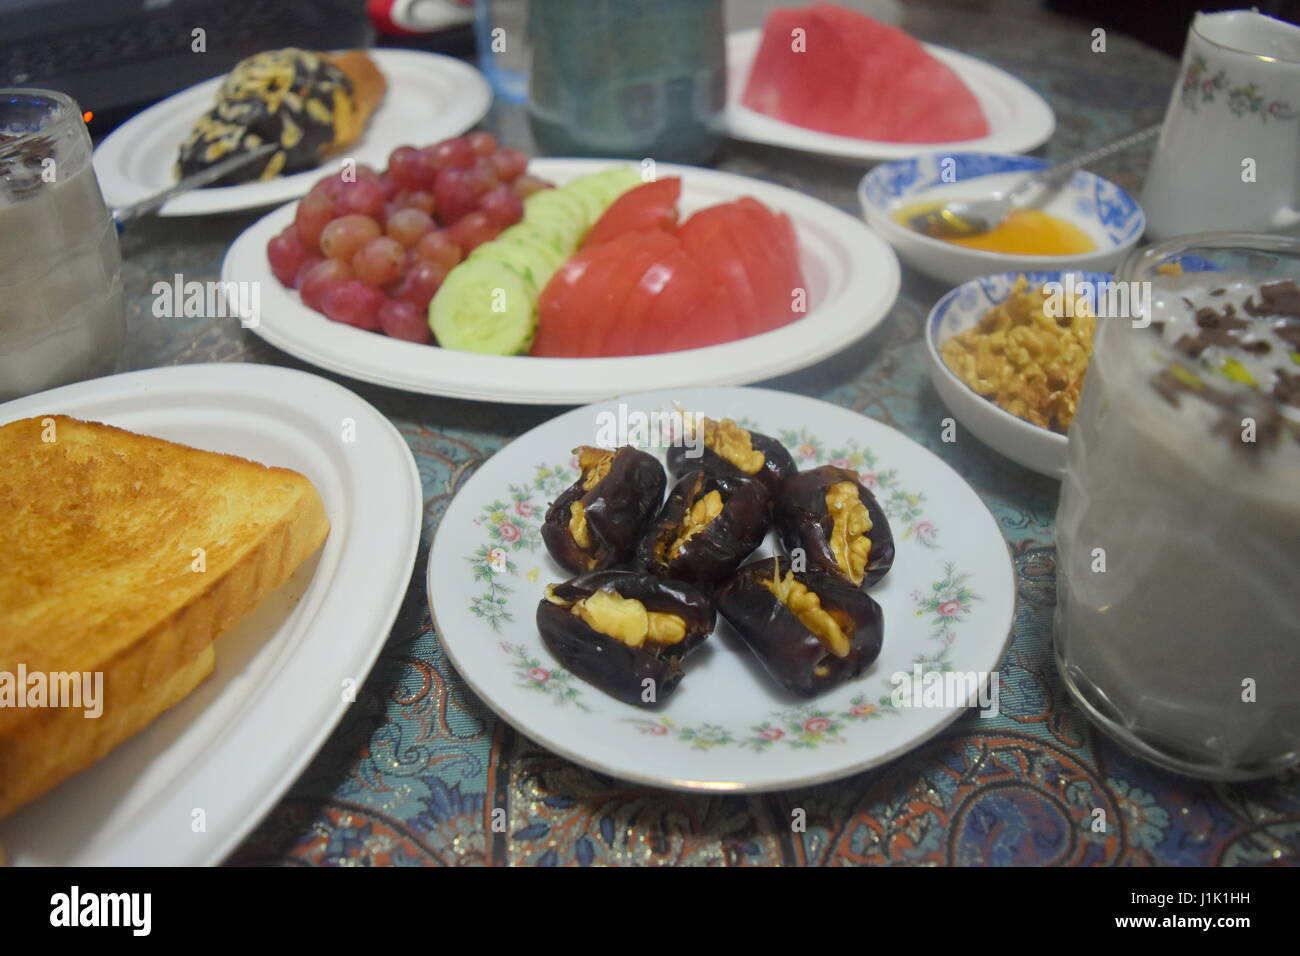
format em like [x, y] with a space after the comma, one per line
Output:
[483, 144]
[366, 172]
[452, 195]
[353, 303]
[472, 230]
[438, 247]
[364, 197]
[502, 206]
[406, 321]
[379, 261]
[509, 164]
[526, 185]
[286, 253]
[404, 165]
[390, 186]
[451, 153]
[480, 178]
[314, 213]
[307, 265]
[344, 236]
[420, 199]
[329, 187]
[324, 275]
[410, 225]
[420, 283]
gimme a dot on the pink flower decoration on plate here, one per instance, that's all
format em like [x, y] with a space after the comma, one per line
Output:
[816, 725]
[840, 462]
[771, 733]
[524, 508]
[539, 674]
[951, 608]
[869, 481]
[657, 729]
[863, 710]
[509, 532]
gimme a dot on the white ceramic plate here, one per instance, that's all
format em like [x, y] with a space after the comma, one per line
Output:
[429, 98]
[236, 744]
[852, 276]
[947, 604]
[1019, 119]
[1037, 448]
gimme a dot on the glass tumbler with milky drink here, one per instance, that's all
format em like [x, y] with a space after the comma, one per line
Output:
[1178, 532]
[61, 312]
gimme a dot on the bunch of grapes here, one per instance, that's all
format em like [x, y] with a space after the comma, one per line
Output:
[372, 250]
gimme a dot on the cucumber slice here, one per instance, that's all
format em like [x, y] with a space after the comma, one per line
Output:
[485, 306]
[557, 205]
[488, 303]
[534, 264]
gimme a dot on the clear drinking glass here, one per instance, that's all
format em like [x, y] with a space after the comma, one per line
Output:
[61, 311]
[627, 78]
[1178, 531]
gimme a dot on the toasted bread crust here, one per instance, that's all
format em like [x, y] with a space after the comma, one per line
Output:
[66, 741]
[98, 571]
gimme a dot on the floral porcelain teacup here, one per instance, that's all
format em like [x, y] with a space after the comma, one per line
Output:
[1229, 152]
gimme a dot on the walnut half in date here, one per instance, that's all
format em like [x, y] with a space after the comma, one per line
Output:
[625, 632]
[729, 449]
[598, 520]
[837, 522]
[810, 631]
[708, 525]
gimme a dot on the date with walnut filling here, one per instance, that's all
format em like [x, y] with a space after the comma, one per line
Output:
[708, 525]
[732, 450]
[810, 631]
[619, 630]
[837, 523]
[598, 521]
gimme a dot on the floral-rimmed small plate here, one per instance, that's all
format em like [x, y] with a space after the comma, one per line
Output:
[948, 604]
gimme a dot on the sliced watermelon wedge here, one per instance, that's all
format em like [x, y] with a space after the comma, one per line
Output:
[836, 71]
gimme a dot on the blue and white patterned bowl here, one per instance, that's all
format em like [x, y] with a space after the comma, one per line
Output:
[1040, 449]
[1103, 210]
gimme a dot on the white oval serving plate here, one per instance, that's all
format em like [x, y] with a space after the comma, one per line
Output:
[429, 98]
[1019, 119]
[235, 745]
[852, 274]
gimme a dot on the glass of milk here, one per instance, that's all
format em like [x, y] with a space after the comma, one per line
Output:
[61, 313]
[1178, 532]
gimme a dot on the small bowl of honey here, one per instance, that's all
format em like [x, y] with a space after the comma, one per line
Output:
[1090, 224]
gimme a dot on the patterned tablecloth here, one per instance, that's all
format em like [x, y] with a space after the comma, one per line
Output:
[415, 770]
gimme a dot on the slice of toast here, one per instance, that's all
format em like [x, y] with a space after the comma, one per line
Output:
[126, 555]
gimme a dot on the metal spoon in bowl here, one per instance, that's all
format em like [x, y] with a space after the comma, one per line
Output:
[960, 219]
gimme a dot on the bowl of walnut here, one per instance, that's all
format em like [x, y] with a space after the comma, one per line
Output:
[1008, 354]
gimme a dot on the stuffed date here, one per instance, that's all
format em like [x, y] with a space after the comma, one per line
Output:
[708, 525]
[625, 632]
[837, 523]
[728, 449]
[810, 631]
[597, 522]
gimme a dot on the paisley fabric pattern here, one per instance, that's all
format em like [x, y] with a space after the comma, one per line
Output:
[421, 772]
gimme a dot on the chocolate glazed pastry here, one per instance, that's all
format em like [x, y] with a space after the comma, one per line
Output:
[732, 450]
[597, 522]
[810, 631]
[837, 522]
[708, 525]
[619, 629]
[310, 104]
